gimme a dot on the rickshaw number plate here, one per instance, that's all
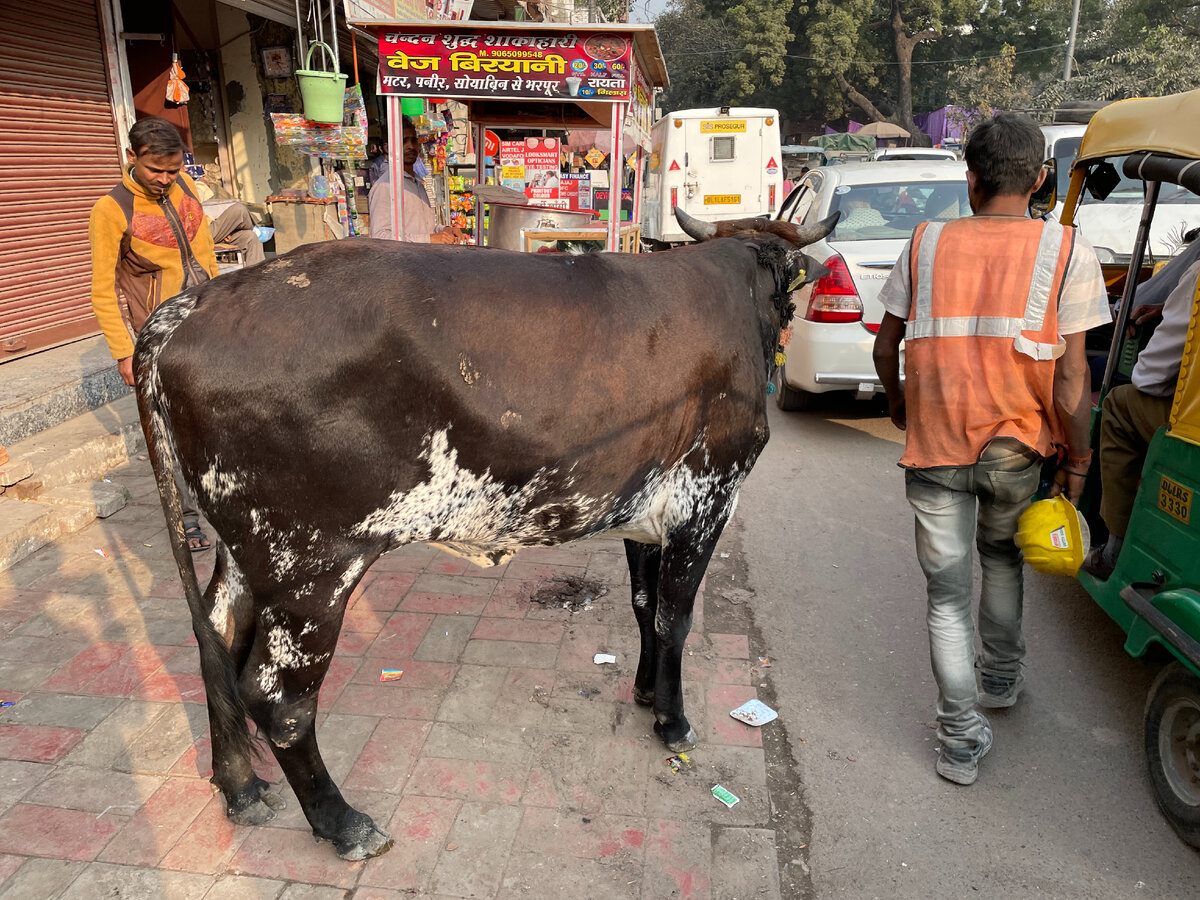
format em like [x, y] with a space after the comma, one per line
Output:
[1175, 500]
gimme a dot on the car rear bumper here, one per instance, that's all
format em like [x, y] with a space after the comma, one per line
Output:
[831, 356]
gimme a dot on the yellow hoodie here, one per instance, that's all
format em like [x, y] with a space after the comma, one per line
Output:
[137, 258]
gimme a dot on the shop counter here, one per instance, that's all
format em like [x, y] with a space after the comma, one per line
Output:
[303, 220]
[629, 236]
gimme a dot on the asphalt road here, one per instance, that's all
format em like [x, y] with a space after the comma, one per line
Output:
[1062, 807]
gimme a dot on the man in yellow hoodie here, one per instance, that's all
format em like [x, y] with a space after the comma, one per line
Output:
[149, 238]
[149, 242]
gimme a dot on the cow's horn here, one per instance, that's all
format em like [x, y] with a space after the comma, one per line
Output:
[701, 231]
[810, 234]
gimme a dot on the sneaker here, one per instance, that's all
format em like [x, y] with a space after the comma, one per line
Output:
[1097, 564]
[999, 691]
[961, 764]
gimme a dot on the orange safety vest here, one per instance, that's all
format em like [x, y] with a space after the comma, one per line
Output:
[982, 337]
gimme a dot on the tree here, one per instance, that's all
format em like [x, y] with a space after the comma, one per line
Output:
[699, 48]
[1143, 48]
[759, 28]
[867, 48]
[986, 85]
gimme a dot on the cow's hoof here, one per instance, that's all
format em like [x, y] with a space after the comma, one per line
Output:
[255, 806]
[677, 745]
[362, 841]
[643, 698]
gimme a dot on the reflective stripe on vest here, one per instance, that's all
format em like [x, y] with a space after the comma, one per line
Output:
[1042, 288]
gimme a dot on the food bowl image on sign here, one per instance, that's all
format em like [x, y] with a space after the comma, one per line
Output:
[605, 46]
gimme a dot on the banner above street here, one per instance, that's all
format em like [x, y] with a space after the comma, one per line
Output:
[434, 61]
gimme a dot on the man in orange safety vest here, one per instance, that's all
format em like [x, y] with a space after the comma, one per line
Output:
[992, 310]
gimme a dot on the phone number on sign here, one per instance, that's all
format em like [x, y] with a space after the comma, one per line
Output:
[520, 54]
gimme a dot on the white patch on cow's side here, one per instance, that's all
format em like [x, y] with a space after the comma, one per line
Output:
[225, 598]
[509, 419]
[309, 628]
[220, 485]
[349, 579]
[300, 280]
[258, 524]
[435, 323]
[473, 515]
[468, 372]
[277, 264]
[283, 652]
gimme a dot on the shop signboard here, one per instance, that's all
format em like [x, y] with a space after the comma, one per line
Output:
[512, 165]
[600, 201]
[576, 190]
[641, 107]
[541, 168]
[424, 61]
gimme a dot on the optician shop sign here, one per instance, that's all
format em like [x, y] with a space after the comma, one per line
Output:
[444, 62]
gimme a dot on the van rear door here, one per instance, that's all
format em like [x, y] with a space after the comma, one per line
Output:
[730, 161]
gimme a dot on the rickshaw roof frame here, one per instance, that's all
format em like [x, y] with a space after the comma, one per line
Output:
[1165, 125]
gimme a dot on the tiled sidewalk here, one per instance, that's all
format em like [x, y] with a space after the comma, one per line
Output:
[505, 762]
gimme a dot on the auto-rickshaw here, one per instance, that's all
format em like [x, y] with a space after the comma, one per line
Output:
[1154, 592]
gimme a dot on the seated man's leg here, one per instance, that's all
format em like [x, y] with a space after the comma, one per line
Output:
[235, 226]
[1129, 421]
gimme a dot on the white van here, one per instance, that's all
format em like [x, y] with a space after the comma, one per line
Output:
[1111, 226]
[714, 164]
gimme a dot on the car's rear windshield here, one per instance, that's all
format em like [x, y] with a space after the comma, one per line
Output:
[1127, 191]
[887, 212]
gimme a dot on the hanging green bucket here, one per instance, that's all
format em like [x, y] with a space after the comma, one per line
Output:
[324, 93]
[412, 106]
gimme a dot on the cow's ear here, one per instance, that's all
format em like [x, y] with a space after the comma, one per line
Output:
[803, 269]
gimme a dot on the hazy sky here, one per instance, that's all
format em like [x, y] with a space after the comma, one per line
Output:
[646, 10]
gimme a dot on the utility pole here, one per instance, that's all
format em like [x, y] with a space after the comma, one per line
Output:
[1071, 41]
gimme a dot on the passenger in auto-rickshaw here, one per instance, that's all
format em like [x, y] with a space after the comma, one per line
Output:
[1132, 413]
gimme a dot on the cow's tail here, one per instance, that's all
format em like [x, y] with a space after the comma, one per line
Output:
[227, 711]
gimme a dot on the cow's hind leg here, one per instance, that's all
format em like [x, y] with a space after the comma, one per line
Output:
[248, 798]
[293, 644]
[644, 563]
[684, 560]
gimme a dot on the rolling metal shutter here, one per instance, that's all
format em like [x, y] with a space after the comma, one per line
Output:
[60, 154]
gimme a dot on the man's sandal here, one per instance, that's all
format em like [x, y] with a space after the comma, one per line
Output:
[197, 540]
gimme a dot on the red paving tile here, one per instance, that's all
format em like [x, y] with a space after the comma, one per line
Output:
[401, 635]
[678, 861]
[55, 832]
[730, 646]
[722, 728]
[209, 842]
[289, 855]
[85, 667]
[558, 833]
[37, 743]
[388, 756]
[390, 696]
[162, 820]
[468, 779]
[418, 674]
[341, 670]
[444, 604]
[168, 687]
[132, 669]
[500, 629]
[385, 591]
[420, 827]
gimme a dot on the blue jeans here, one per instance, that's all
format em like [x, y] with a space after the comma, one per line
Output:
[944, 501]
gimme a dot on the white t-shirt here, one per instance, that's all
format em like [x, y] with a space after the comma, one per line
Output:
[1083, 303]
[419, 220]
[1157, 367]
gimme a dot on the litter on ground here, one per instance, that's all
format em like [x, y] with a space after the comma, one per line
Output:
[602, 658]
[754, 712]
[390, 674]
[726, 797]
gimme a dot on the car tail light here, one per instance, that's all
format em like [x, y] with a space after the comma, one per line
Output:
[834, 297]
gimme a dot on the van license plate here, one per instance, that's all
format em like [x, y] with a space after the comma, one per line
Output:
[715, 199]
[1175, 500]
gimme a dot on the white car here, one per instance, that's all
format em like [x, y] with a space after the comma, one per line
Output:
[896, 154]
[1110, 226]
[838, 315]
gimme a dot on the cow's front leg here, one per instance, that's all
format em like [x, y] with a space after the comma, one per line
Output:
[684, 560]
[281, 681]
[644, 563]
